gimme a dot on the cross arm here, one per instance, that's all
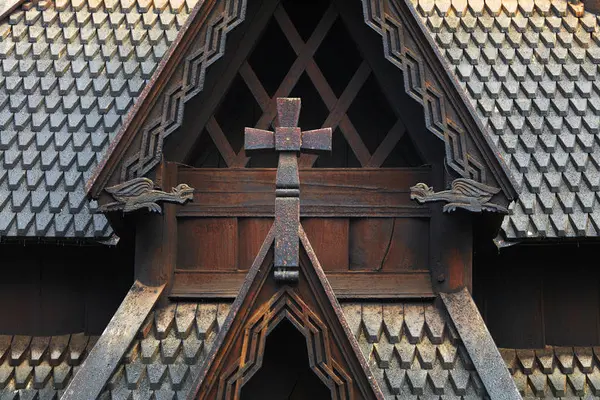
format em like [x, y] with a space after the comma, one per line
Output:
[258, 139]
[316, 141]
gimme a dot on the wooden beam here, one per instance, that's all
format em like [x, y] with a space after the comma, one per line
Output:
[156, 237]
[387, 145]
[325, 192]
[200, 284]
[299, 66]
[220, 140]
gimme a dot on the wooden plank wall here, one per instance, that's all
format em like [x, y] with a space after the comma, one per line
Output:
[49, 289]
[365, 230]
[537, 295]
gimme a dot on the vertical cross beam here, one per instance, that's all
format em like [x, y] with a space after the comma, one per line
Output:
[288, 140]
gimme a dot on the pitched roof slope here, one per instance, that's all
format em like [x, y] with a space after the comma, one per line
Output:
[555, 372]
[69, 72]
[530, 69]
[168, 352]
[412, 349]
[40, 367]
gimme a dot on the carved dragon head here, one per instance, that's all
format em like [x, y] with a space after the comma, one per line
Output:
[420, 192]
[183, 191]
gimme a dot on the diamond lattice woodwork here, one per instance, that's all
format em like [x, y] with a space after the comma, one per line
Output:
[301, 61]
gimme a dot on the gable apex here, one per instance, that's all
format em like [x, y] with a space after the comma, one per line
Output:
[159, 113]
[311, 306]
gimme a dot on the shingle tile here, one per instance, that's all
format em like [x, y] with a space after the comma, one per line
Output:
[49, 54]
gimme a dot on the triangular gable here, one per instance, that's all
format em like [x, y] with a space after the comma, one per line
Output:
[138, 148]
[311, 306]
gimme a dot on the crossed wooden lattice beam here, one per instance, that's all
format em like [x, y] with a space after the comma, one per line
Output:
[337, 107]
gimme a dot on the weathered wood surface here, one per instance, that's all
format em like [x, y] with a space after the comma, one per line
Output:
[479, 344]
[112, 345]
[156, 238]
[311, 307]
[202, 284]
[325, 192]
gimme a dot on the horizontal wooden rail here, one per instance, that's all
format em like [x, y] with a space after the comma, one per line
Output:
[249, 192]
[360, 285]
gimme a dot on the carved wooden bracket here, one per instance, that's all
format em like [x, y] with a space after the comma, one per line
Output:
[288, 140]
[465, 193]
[140, 193]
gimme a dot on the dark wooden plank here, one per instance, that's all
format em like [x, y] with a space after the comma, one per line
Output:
[571, 304]
[207, 244]
[192, 284]
[389, 245]
[325, 192]
[370, 241]
[409, 250]
[251, 235]
[329, 238]
[451, 256]
[156, 237]
[20, 308]
[62, 305]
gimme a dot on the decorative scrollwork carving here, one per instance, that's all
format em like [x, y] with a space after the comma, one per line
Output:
[140, 193]
[209, 46]
[465, 193]
[421, 84]
[286, 304]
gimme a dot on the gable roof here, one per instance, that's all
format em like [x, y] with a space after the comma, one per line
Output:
[530, 69]
[412, 349]
[159, 113]
[70, 72]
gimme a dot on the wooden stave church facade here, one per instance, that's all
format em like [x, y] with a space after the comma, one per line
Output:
[150, 269]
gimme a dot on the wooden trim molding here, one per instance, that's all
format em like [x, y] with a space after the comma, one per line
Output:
[104, 358]
[346, 285]
[311, 307]
[360, 192]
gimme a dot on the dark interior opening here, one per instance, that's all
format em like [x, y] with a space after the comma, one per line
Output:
[52, 289]
[337, 60]
[536, 295]
[285, 373]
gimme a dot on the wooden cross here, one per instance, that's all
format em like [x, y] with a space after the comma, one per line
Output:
[288, 140]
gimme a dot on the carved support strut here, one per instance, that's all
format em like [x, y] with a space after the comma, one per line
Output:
[140, 193]
[288, 140]
[465, 193]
